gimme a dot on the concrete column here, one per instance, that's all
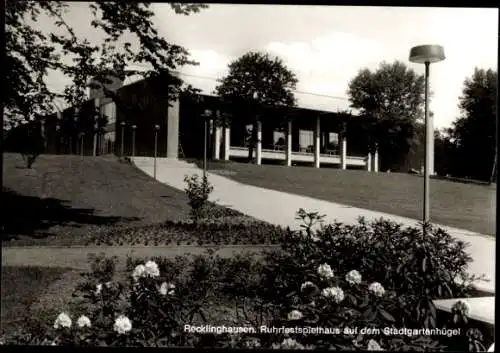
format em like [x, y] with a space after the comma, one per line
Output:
[375, 160]
[343, 152]
[289, 144]
[369, 161]
[173, 130]
[217, 141]
[317, 142]
[227, 142]
[258, 155]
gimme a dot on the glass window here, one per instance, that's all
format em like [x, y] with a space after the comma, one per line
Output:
[110, 136]
[306, 138]
[333, 137]
[279, 138]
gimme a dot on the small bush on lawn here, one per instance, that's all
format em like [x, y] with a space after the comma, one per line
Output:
[197, 192]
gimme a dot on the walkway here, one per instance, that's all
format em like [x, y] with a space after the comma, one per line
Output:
[280, 208]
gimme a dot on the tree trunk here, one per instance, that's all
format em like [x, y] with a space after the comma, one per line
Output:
[494, 167]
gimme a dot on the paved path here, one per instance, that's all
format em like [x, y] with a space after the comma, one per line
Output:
[77, 257]
[279, 208]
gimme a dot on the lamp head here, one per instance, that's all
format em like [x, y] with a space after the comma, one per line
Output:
[157, 127]
[122, 123]
[429, 53]
[134, 126]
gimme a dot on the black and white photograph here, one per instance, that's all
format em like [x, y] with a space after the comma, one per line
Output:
[249, 176]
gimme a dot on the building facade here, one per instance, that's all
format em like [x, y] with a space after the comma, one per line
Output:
[139, 121]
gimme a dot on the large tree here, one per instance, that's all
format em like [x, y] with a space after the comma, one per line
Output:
[391, 101]
[31, 53]
[474, 132]
[257, 80]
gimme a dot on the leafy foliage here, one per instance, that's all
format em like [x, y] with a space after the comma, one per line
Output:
[255, 81]
[311, 282]
[474, 134]
[29, 56]
[391, 100]
[197, 192]
[31, 53]
[26, 140]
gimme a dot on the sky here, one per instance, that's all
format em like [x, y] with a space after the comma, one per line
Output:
[325, 46]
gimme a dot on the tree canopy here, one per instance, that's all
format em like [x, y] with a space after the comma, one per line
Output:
[256, 80]
[259, 79]
[391, 100]
[31, 53]
[474, 132]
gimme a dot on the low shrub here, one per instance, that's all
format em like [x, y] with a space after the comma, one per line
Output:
[418, 268]
[197, 192]
[338, 279]
[220, 231]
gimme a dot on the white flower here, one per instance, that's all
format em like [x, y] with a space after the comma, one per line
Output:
[290, 343]
[334, 292]
[462, 307]
[373, 346]
[63, 320]
[122, 324]
[325, 271]
[152, 269]
[108, 284]
[98, 289]
[377, 289]
[306, 285]
[252, 343]
[167, 288]
[353, 277]
[83, 321]
[139, 272]
[295, 315]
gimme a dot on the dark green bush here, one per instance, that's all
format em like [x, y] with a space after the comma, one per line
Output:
[197, 192]
[417, 268]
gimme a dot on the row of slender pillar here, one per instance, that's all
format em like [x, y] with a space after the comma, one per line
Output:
[225, 133]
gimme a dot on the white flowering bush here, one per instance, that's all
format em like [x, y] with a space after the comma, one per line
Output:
[308, 283]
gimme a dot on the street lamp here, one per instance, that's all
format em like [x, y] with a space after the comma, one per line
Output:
[58, 138]
[157, 128]
[206, 115]
[82, 134]
[427, 54]
[133, 139]
[123, 138]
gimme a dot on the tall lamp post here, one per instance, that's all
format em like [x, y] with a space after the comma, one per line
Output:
[206, 116]
[58, 138]
[134, 127]
[81, 135]
[427, 54]
[122, 139]
[157, 128]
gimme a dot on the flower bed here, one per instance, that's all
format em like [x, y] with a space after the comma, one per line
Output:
[217, 226]
[220, 231]
[338, 286]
